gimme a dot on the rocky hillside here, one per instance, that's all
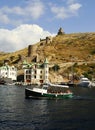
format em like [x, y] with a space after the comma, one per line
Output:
[79, 46]
[63, 50]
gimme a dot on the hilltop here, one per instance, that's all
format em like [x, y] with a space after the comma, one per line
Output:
[59, 50]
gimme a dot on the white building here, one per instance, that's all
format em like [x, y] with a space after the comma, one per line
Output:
[7, 71]
[36, 73]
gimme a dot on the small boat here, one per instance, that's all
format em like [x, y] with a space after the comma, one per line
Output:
[43, 93]
[84, 82]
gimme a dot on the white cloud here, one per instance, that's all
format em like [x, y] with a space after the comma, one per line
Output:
[64, 12]
[60, 12]
[4, 18]
[21, 37]
[74, 7]
[35, 9]
[71, 1]
[32, 10]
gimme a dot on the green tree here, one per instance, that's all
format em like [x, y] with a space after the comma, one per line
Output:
[55, 67]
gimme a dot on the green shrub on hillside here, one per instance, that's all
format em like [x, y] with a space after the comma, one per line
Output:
[92, 52]
[55, 67]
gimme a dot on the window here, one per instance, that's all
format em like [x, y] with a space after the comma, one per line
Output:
[28, 71]
[41, 71]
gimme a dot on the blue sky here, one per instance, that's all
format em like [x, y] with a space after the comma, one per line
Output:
[24, 22]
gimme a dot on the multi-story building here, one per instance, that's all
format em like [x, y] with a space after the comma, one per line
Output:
[36, 73]
[7, 71]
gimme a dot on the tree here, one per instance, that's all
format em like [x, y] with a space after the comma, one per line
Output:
[55, 67]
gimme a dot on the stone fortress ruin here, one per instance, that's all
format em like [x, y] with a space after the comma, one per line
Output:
[33, 49]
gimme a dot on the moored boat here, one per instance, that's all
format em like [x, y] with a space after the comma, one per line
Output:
[84, 82]
[43, 93]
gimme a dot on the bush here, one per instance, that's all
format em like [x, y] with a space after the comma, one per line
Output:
[55, 67]
[93, 52]
[86, 74]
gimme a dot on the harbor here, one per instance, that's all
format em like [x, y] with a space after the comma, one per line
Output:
[47, 65]
[18, 113]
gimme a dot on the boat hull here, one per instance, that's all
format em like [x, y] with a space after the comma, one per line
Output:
[37, 95]
[84, 84]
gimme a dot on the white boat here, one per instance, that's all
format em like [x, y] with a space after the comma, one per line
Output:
[84, 82]
[43, 93]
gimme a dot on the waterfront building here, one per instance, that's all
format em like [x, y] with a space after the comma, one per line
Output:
[36, 72]
[9, 72]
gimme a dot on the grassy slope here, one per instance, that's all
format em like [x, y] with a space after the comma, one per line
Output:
[80, 46]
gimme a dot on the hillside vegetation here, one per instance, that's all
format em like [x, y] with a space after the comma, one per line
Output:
[62, 49]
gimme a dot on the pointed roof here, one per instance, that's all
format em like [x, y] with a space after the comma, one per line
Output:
[25, 62]
[46, 61]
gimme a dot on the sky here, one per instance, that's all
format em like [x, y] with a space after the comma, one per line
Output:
[24, 22]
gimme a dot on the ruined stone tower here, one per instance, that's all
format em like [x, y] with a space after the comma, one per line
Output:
[48, 40]
[31, 50]
[60, 31]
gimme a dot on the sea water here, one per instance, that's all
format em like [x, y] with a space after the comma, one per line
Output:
[18, 113]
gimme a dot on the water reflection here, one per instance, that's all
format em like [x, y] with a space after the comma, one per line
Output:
[18, 113]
